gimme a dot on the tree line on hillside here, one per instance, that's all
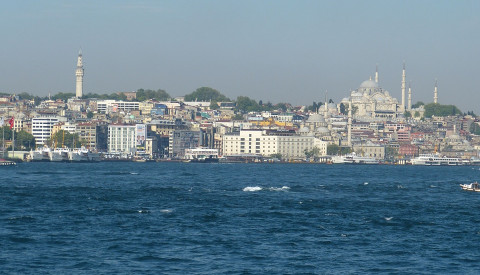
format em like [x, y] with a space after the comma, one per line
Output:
[244, 104]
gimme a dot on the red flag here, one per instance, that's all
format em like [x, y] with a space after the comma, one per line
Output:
[11, 122]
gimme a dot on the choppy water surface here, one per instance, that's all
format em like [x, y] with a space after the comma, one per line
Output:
[237, 218]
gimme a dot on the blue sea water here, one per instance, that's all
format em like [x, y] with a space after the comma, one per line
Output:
[170, 218]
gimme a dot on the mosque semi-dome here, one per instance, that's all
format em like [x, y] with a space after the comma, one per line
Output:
[369, 84]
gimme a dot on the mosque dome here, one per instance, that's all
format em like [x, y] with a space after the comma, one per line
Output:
[323, 130]
[369, 84]
[316, 118]
[304, 130]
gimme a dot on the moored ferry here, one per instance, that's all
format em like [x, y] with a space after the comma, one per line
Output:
[59, 154]
[41, 154]
[83, 155]
[436, 160]
[354, 159]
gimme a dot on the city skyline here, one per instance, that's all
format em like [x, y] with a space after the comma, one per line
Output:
[271, 51]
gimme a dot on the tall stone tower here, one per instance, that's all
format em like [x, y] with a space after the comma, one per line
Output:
[79, 75]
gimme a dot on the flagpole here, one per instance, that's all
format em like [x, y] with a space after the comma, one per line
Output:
[3, 144]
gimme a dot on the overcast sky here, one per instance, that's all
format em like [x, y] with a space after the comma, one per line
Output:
[278, 51]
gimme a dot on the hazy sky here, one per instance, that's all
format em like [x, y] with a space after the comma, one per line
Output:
[278, 51]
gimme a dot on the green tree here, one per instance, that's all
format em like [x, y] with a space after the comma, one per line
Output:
[23, 140]
[314, 152]
[238, 117]
[435, 109]
[214, 105]
[244, 104]
[63, 96]
[89, 115]
[333, 149]
[277, 156]
[418, 104]
[475, 129]
[391, 152]
[283, 106]
[64, 138]
[417, 114]
[206, 94]
[158, 95]
[407, 114]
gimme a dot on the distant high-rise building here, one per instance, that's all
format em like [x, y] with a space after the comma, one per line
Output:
[435, 93]
[79, 75]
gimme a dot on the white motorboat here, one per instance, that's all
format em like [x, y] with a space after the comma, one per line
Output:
[474, 186]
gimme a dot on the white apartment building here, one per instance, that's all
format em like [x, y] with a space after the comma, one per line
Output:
[42, 127]
[110, 105]
[122, 139]
[260, 143]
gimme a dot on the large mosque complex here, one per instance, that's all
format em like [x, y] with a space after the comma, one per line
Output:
[372, 101]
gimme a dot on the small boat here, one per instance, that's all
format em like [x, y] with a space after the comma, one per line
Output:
[4, 162]
[474, 186]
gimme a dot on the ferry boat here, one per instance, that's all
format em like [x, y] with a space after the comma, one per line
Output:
[435, 160]
[201, 155]
[83, 155]
[353, 158]
[60, 154]
[41, 154]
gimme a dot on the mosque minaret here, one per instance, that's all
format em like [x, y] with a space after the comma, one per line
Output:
[403, 88]
[376, 74]
[409, 106]
[79, 75]
[435, 93]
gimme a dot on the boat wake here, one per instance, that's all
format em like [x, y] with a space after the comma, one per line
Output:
[283, 188]
[258, 188]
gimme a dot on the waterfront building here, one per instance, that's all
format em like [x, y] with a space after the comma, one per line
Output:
[87, 131]
[42, 127]
[267, 143]
[409, 150]
[182, 139]
[370, 149]
[122, 139]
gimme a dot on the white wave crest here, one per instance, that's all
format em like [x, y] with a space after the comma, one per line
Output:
[252, 188]
[283, 188]
[166, 211]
